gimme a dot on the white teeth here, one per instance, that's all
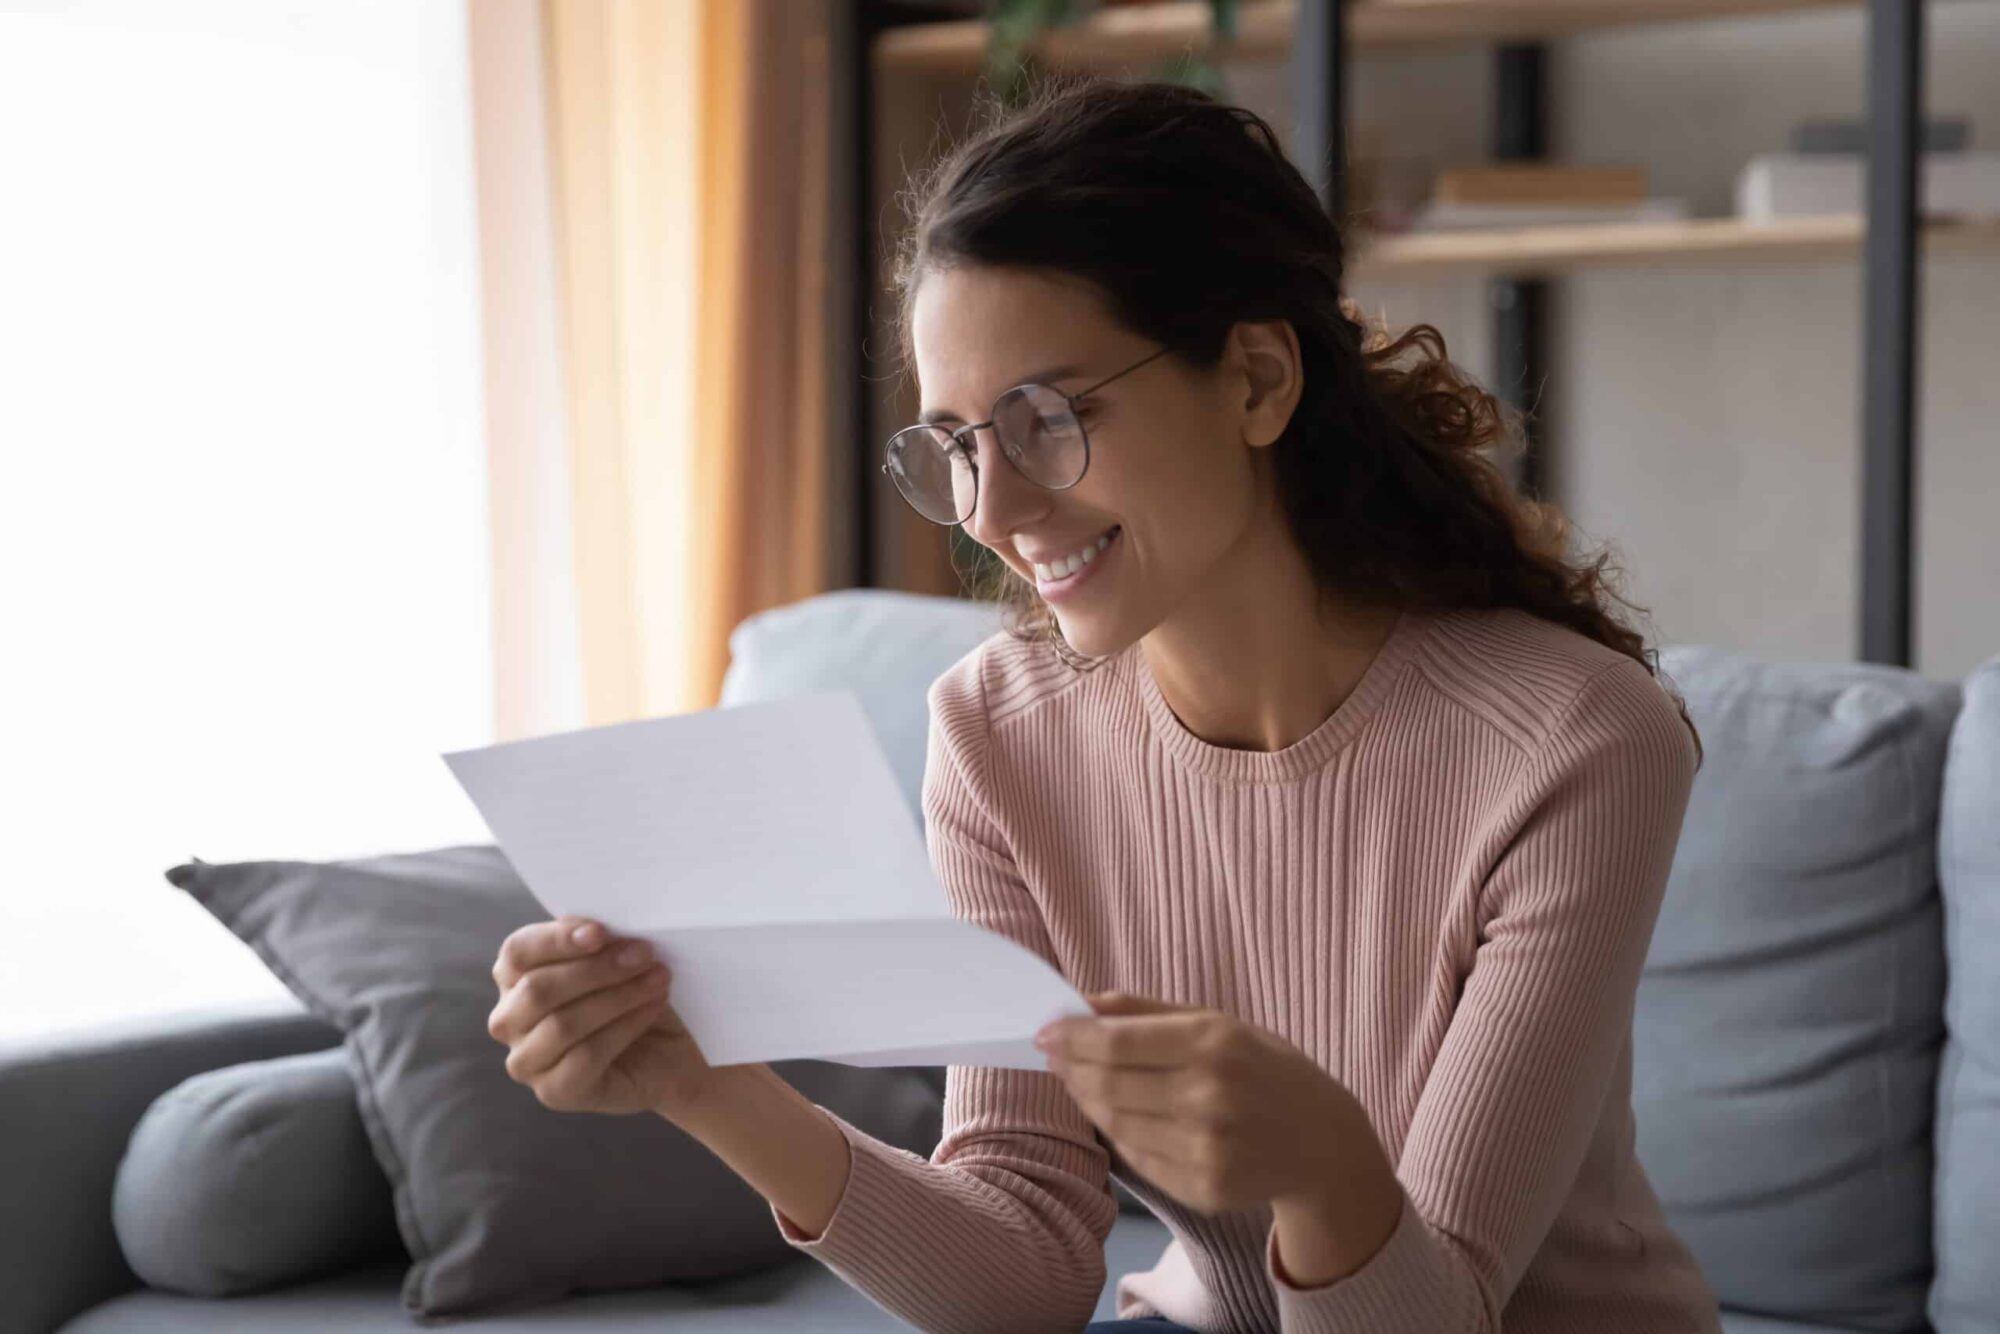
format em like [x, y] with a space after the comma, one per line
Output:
[1069, 565]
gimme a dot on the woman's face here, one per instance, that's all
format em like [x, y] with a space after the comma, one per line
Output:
[1172, 476]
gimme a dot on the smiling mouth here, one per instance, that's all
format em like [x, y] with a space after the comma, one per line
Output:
[1062, 589]
[1060, 570]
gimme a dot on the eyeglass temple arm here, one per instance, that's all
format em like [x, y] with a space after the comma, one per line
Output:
[1115, 374]
[958, 436]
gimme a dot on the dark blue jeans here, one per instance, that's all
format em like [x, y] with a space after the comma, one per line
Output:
[1152, 1324]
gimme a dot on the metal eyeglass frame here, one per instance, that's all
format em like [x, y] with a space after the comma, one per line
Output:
[972, 455]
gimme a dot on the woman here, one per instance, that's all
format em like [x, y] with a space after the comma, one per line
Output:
[1309, 757]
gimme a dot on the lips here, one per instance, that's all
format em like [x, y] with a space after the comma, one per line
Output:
[1079, 581]
[1095, 546]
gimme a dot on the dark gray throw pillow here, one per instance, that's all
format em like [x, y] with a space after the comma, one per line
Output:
[502, 1202]
[251, 1177]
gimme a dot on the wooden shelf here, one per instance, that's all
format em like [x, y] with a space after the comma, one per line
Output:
[1528, 251]
[1141, 34]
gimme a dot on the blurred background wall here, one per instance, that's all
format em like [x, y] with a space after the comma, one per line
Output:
[1704, 416]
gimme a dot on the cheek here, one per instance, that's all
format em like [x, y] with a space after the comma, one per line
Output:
[1193, 493]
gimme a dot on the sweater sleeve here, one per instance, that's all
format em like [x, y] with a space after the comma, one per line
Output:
[1004, 1225]
[1508, 1109]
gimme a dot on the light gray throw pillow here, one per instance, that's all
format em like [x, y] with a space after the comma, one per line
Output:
[503, 1203]
[250, 1177]
[1788, 1020]
[1965, 1298]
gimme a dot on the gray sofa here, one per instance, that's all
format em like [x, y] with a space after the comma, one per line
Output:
[1817, 1042]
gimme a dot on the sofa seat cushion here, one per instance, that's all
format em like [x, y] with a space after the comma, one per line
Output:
[1786, 1034]
[1736, 1322]
[800, 1294]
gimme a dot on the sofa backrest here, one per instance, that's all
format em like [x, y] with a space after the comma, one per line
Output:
[1786, 1034]
[1965, 1299]
[885, 646]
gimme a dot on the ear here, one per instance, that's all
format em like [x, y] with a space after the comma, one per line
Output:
[1266, 353]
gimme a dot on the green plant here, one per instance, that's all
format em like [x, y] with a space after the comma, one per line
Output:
[1013, 26]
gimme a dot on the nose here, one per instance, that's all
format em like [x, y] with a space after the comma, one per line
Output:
[1006, 499]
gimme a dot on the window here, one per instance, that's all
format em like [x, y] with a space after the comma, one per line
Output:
[243, 542]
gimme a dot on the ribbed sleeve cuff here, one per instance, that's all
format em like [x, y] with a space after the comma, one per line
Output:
[937, 1251]
[853, 1242]
[1412, 1284]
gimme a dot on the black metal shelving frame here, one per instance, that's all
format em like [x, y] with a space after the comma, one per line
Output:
[1320, 54]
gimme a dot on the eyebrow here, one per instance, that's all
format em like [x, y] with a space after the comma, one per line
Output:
[937, 415]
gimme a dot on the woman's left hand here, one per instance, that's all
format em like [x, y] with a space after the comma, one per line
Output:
[1217, 1113]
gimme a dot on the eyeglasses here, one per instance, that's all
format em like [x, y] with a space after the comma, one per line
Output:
[1039, 431]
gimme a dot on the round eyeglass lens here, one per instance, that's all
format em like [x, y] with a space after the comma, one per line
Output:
[932, 472]
[1041, 435]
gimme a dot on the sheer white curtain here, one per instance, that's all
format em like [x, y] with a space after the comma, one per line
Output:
[244, 554]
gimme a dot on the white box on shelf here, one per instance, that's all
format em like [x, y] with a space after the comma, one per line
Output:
[1439, 217]
[1775, 186]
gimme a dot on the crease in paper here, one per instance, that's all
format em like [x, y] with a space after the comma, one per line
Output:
[767, 853]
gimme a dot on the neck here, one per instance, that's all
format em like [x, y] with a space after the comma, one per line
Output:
[1258, 658]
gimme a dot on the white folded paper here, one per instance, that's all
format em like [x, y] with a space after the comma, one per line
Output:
[766, 853]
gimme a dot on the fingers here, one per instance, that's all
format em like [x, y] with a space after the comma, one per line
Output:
[541, 943]
[583, 1024]
[579, 1070]
[551, 986]
[1162, 1040]
[1134, 1088]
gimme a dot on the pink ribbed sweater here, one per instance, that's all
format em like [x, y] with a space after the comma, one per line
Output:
[1443, 895]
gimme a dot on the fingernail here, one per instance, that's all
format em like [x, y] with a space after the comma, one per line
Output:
[631, 954]
[1045, 1039]
[582, 935]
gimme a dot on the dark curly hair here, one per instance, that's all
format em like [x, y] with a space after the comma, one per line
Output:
[1185, 214]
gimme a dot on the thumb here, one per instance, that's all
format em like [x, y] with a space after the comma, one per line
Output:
[1125, 1002]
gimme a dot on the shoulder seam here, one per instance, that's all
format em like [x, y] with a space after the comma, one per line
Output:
[1029, 706]
[1452, 697]
[985, 716]
[1533, 760]
[1562, 716]
[1526, 752]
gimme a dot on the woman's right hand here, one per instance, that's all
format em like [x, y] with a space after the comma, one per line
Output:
[587, 1024]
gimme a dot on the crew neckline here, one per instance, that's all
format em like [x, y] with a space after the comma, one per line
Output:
[1311, 751]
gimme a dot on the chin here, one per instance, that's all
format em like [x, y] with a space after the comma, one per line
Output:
[1091, 636]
